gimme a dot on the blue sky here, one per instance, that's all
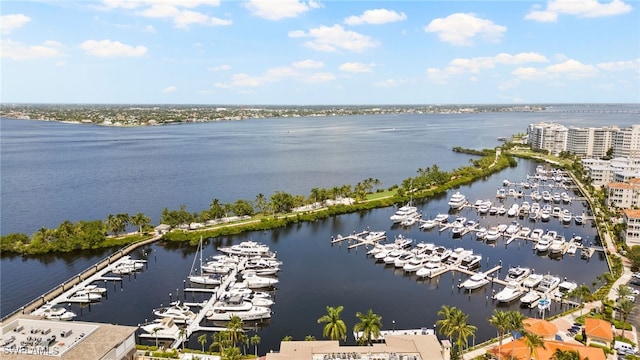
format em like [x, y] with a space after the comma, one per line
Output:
[306, 52]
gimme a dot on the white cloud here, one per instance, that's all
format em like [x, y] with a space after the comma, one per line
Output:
[308, 64]
[169, 89]
[180, 11]
[572, 68]
[319, 77]
[356, 67]
[389, 83]
[461, 29]
[295, 71]
[182, 18]
[334, 38]
[437, 75]
[15, 50]
[620, 65]
[279, 9]
[474, 65]
[542, 16]
[135, 4]
[569, 69]
[579, 8]
[108, 48]
[10, 22]
[220, 68]
[375, 17]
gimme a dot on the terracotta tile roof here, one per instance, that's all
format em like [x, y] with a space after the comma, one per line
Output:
[619, 185]
[632, 213]
[598, 328]
[518, 350]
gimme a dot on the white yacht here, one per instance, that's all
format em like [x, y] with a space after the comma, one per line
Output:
[565, 287]
[403, 213]
[513, 210]
[404, 258]
[442, 218]
[180, 313]
[513, 228]
[517, 273]
[247, 248]
[164, 328]
[430, 268]
[416, 263]
[471, 262]
[254, 281]
[548, 283]
[530, 298]
[536, 234]
[475, 281]
[457, 201]
[428, 224]
[393, 255]
[557, 245]
[254, 313]
[532, 280]
[492, 234]
[510, 292]
[566, 217]
[52, 312]
[205, 279]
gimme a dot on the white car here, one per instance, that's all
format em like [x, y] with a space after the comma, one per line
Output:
[633, 290]
[630, 298]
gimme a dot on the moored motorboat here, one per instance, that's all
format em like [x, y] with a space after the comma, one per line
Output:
[517, 273]
[475, 281]
[532, 280]
[548, 283]
[180, 313]
[530, 298]
[471, 262]
[457, 201]
[53, 312]
[403, 213]
[511, 292]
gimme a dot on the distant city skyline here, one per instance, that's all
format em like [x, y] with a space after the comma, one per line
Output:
[313, 52]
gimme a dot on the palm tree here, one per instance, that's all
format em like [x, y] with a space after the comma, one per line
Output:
[515, 323]
[501, 321]
[234, 327]
[533, 341]
[155, 332]
[625, 306]
[309, 338]
[220, 341]
[335, 329]
[232, 353]
[255, 340]
[140, 220]
[566, 355]
[202, 339]
[287, 338]
[449, 315]
[369, 325]
[454, 323]
[113, 224]
[260, 203]
[581, 292]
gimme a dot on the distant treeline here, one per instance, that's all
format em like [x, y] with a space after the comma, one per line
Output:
[265, 213]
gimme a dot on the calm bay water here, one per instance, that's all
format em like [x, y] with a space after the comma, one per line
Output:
[51, 172]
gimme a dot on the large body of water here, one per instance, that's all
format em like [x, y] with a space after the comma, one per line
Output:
[52, 172]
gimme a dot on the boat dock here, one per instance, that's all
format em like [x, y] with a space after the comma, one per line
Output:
[494, 279]
[366, 238]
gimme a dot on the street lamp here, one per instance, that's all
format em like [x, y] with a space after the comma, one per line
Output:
[394, 324]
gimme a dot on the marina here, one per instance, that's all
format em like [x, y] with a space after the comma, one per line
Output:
[303, 246]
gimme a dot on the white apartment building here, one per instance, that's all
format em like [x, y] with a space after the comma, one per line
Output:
[548, 136]
[603, 172]
[624, 195]
[627, 142]
[632, 233]
[591, 142]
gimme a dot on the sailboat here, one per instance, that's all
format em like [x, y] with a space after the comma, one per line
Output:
[197, 276]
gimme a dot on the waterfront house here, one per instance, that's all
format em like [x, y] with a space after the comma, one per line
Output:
[598, 332]
[419, 347]
[518, 349]
[162, 229]
[631, 234]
